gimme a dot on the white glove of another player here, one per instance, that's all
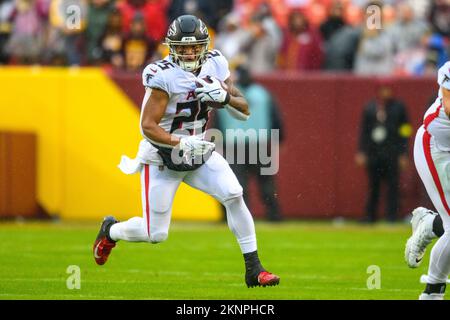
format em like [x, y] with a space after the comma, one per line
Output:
[212, 91]
[195, 146]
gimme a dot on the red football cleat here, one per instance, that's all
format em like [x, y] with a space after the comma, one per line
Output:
[263, 279]
[103, 245]
[102, 249]
[268, 279]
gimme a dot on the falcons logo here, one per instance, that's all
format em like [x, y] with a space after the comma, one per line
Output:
[203, 28]
[446, 78]
[172, 30]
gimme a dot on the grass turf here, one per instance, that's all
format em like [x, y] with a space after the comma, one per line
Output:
[203, 261]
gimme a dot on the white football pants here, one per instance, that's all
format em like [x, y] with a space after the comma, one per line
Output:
[158, 188]
[433, 167]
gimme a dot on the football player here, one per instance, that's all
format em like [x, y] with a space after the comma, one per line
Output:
[432, 159]
[180, 91]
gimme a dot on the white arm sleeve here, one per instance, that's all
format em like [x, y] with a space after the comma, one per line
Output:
[236, 113]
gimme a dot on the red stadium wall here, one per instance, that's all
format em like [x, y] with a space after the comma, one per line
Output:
[318, 176]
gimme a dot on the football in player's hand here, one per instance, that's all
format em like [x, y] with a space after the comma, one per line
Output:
[212, 104]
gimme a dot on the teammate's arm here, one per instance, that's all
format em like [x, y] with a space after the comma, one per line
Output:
[237, 99]
[446, 100]
[152, 114]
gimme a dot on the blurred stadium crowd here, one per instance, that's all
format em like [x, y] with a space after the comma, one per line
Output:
[274, 35]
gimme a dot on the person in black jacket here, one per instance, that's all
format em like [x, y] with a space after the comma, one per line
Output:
[383, 149]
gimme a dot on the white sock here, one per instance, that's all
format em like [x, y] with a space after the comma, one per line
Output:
[130, 230]
[431, 296]
[440, 260]
[240, 222]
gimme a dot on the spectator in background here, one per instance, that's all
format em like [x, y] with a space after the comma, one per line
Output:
[383, 149]
[260, 47]
[211, 12]
[429, 66]
[389, 14]
[153, 11]
[264, 14]
[302, 45]
[421, 7]
[222, 8]
[334, 22]
[111, 42]
[340, 49]
[440, 17]
[375, 52]
[407, 31]
[66, 32]
[27, 36]
[265, 116]
[354, 15]
[434, 55]
[230, 40]
[6, 14]
[341, 38]
[137, 48]
[408, 34]
[97, 18]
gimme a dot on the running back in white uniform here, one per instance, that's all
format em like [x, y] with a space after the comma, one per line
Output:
[432, 160]
[184, 110]
[186, 117]
[160, 183]
[185, 114]
[432, 150]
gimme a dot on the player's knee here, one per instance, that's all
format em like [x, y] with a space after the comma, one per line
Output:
[232, 192]
[161, 208]
[163, 205]
[158, 237]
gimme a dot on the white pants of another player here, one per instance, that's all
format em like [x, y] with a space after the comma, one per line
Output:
[433, 167]
[158, 187]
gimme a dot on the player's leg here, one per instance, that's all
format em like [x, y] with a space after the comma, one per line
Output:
[392, 179]
[432, 166]
[242, 173]
[426, 224]
[217, 179]
[267, 188]
[374, 177]
[158, 188]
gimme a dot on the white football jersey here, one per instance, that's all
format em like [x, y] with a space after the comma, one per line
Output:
[437, 123]
[185, 115]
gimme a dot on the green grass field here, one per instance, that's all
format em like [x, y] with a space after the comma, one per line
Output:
[203, 261]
